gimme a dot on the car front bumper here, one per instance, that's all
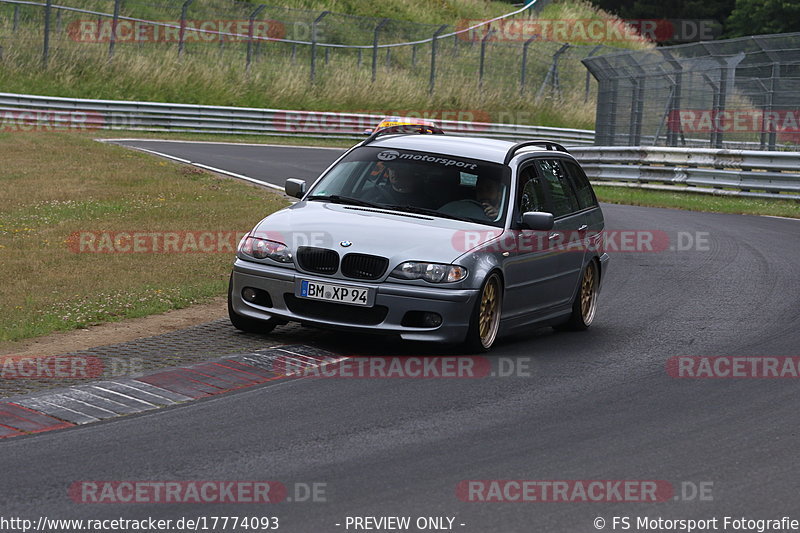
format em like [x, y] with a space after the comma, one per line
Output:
[396, 299]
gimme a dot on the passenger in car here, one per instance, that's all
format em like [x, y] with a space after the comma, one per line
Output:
[400, 187]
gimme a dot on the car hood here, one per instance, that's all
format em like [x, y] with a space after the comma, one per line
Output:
[395, 235]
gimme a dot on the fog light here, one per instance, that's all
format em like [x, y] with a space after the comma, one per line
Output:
[421, 319]
[256, 296]
[431, 320]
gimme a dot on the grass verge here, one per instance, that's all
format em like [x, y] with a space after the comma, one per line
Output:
[57, 184]
[698, 202]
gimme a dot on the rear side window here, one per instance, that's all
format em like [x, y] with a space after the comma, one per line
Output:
[580, 182]
[563, 198]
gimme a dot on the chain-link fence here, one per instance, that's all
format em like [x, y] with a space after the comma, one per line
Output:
[737, 93]
[309, 43]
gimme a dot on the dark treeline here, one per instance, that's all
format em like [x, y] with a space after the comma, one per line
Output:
[736, 17]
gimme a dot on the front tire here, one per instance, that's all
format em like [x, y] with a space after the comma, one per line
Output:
[485, 321]
[584, 307]
[247, 324]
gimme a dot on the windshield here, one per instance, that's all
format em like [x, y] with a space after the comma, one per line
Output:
[420, 182]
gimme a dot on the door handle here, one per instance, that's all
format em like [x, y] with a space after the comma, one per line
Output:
[583, 227]
[553, 236]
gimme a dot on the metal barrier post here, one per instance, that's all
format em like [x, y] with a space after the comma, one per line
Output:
[432, 81]
[380, 25]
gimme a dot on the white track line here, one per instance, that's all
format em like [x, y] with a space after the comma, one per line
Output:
[213, 169]
[220, 142]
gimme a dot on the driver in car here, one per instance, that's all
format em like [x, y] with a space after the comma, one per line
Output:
[487, 193]
[485, 206]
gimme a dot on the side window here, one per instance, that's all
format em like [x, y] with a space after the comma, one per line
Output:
[531, 196]
[580, 182]
[564, 201]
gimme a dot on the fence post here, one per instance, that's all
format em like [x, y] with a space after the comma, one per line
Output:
[728, 69]
[776, 75]
[184, 9]
[16, 18]
[768, 131]
[551, 77]
[432, 81]
[250, 32]
[675, 100]
[604, 119]
[46, 46]
[413, 55]
[380, 25]
[524, 69]
[314, 44]
[586, 89]
[637, 102]
[113, 40]
[483, 54]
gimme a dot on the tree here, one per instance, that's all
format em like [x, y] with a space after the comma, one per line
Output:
[756, 17]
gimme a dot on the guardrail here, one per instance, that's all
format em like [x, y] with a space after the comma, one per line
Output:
[186, 118]
[753, 173]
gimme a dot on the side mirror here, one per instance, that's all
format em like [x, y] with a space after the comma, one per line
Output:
[537, 221]
[295, 187]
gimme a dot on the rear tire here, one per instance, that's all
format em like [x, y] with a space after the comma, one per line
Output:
[485, 321]
[247, 324]
[584, 306]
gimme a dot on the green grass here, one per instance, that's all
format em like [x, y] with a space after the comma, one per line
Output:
[279, 77]
[698, 202]
[54, 185]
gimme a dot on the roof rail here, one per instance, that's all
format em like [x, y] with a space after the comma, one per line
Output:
[404, 128]
[549, 145]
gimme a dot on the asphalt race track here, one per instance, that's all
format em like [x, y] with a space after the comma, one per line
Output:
[597, 405]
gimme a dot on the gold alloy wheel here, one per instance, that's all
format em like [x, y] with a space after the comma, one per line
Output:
[489, 317]
[589, 293]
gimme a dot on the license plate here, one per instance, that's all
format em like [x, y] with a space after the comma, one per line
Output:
[334, 293]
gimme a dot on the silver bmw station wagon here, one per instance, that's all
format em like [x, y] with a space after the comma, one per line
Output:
[431, 237]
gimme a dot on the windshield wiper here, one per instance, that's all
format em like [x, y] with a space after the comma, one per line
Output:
[426, 211]
[336, 199]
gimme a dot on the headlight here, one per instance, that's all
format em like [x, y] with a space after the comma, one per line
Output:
[432, 272]
[265, 249]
